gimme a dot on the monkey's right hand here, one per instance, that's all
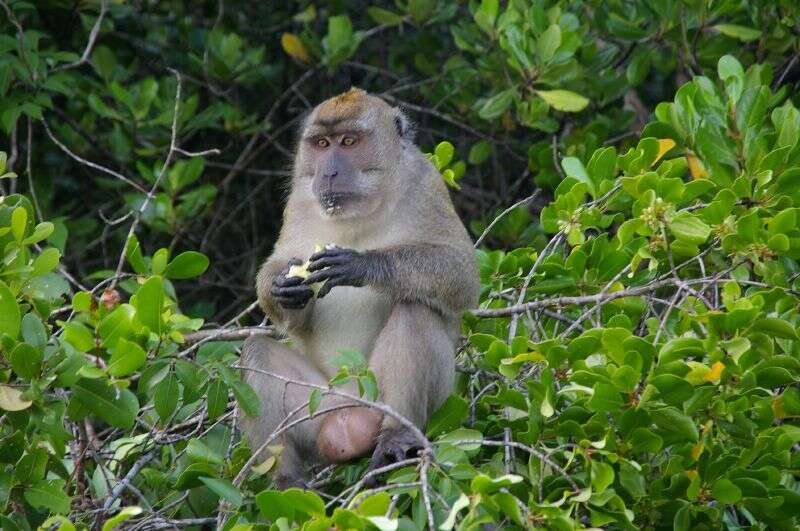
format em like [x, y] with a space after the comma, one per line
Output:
[290, 292]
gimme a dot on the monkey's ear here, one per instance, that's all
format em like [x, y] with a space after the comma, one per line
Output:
[404, 127]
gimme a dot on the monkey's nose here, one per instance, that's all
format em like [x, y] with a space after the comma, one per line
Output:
[331, 175]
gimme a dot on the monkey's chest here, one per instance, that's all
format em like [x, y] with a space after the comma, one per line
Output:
[346, 318]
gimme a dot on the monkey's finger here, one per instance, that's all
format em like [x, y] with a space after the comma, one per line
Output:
[321, 275]
[293, 301]
[284, 281]
[327, 261]
[332, 251]
[329, 285]
[291, 291]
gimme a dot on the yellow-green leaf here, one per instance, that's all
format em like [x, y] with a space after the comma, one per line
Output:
[11, 399]
[564, 100]
[294, 47]
[743, 33]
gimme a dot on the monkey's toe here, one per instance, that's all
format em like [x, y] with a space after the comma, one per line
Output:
[394, 445]
[287, 481]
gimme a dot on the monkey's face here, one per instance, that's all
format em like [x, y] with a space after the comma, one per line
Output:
[346, 156]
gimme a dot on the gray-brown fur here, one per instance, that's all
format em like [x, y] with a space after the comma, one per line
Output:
[406, 269]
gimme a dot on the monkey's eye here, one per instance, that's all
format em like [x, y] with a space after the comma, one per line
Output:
[323, 142]
[348, 140]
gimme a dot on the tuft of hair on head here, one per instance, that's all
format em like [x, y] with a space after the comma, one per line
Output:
[404, 126]
[346, 98]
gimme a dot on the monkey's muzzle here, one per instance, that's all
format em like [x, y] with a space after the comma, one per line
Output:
[333, 202]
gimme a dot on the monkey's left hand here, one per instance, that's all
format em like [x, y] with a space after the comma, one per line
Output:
[338, 267]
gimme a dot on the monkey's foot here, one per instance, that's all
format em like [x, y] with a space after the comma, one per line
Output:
[287, 481]
[394, 444]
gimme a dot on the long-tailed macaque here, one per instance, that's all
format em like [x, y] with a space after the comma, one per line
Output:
[401, 272]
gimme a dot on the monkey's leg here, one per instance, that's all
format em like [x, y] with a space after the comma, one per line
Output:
[413, 360]
[279, 399]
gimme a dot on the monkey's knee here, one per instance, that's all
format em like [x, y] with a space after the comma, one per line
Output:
[348, 433]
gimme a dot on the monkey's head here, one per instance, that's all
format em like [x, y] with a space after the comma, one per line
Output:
[348, 153]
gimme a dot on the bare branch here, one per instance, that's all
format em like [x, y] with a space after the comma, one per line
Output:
[87, 52]
[89, 163]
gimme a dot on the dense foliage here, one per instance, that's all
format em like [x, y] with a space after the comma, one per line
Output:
[630, 170]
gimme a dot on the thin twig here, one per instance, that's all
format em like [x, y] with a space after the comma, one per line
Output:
[87, 52]
[503, 213]
[173, 145]
[89, 163]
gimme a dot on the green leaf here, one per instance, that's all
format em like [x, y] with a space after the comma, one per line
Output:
[348, 359]
[125, 514]
[104, 62]
[573, 167]
[26, 360]
[166, 395]
[133, 253]
[116, 325]
[673, 422]
[479, 152]
[496, 105]
[9, 312]
[116, 406]
[224, 489]
[463, 434]
[62, 521]
[273, 505]
[725, 491]
[775, 327]
[126, 359]
[48, 494]
[40, 232]
[743, 33]
[82, 301]
[384, 16]
[461, 503]
[199, 452]
[673, 390]
[189, 478]
[339, 38]
[19, 222]
[602, 476]
[486, 15]
[605, 398]
[159, 261]
[149, 304]
[187, 265]
[216, 398]
[483, 484]
[305, 501]
[689, 228]
[564, 100]
[729, 66]
[33, 331]
[247, 399]
[444, 153]
[46, 261]
[448, 417]
[314, 400]
[548, 44]
[77, 335]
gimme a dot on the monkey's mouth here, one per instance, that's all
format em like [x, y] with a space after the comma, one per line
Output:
[334, 202]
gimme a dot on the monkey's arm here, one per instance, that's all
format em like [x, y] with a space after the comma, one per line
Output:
[442, 276]
[286, 300]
